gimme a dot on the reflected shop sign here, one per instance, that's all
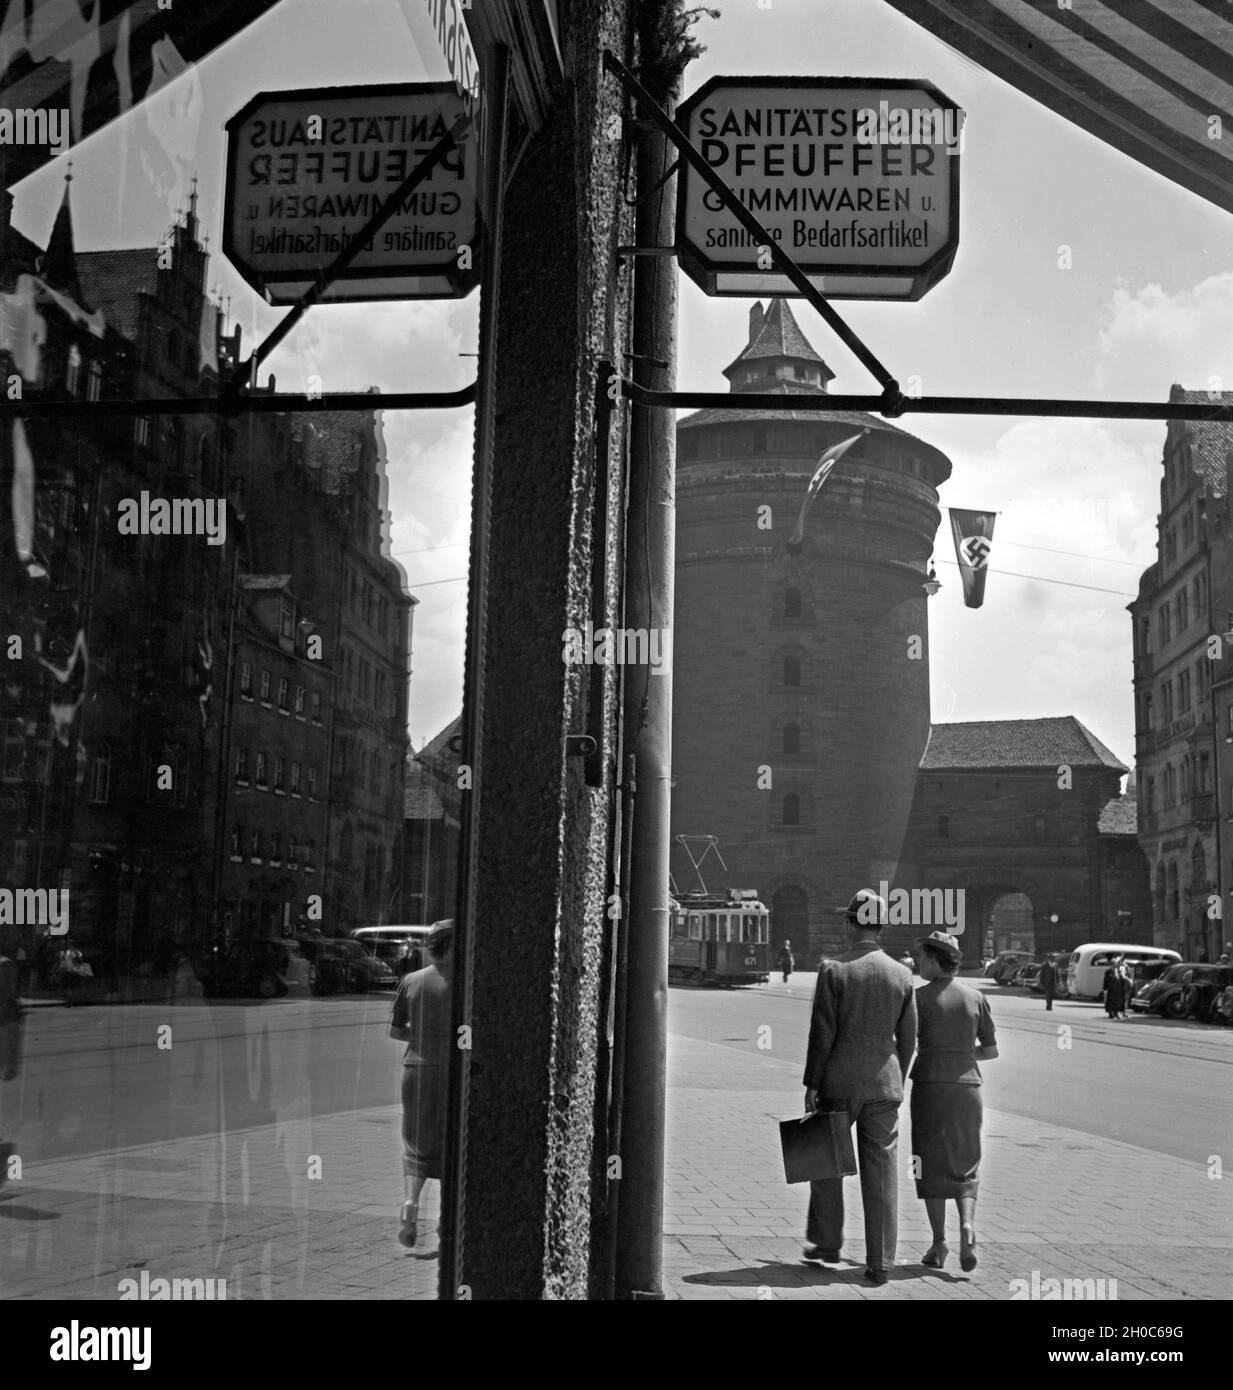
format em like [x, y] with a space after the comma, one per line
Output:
[856, 179]
[307, 169]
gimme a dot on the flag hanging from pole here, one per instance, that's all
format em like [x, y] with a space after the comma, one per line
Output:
[973, 533]
[825, 464]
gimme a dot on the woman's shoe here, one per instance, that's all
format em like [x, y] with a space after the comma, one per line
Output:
[967, 1248]
[935, 1256]
[407, 1229]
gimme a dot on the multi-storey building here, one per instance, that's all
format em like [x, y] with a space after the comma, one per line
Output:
[1174, 618]
[273, 814]
[124, 708]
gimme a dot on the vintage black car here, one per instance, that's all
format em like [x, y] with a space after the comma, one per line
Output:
[1190, 989]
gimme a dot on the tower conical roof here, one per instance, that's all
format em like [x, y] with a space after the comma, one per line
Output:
[775, 334]
[59, 267]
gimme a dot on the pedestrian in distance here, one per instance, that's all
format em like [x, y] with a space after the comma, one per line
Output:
[1111, 983]
[1128, 986]
[954, 1031]
[784, 961]
[1048, 981]
[420, 1017]
[862, 1033]
[10, 1032]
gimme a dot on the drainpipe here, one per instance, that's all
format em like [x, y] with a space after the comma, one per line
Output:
[647, 716]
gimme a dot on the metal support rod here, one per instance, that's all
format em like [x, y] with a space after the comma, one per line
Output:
[263, 403]
[779, 257]
[246, 373]
[825, 404]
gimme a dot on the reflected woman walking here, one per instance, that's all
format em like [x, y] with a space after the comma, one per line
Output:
[955, 1030]
[421, 1019]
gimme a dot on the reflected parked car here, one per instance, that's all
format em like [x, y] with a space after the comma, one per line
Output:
[263, 968]
[343, 966]
[1186, 990]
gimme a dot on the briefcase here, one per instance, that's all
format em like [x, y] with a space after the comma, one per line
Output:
[817, 1146]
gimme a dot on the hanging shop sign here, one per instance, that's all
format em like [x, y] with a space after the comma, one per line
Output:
[307, 169]
[857, 180]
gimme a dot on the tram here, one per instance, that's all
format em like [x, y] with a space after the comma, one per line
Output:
[720, 940]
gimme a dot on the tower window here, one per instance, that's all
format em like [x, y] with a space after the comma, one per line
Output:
[791, 809]
[791, 670]
[792, 603]
[791, 738]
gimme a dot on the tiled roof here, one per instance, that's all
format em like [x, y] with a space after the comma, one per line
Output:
[1119, 817]
[778, 336]
[421, 802]
[1210, 442]
[722, 415]
[112, 281]
[439, 747]
[1016, 743]
[329, 438]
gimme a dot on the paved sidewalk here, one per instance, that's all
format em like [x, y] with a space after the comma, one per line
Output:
[1054, 1201]
[307, 1209]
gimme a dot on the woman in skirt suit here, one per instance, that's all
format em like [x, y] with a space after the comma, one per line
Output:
[954, 1030]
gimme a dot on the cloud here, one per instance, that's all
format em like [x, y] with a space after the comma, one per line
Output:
[1151, 338]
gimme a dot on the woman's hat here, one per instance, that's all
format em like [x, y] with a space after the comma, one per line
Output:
[939, 941]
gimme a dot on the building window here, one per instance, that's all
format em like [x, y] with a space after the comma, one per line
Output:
[261, 769]
[72, 373]
[1166, 704]
[283, 691]
[141, 431]
[241, 765]
[791, 809]
[1183, 692]
[286, 618]
[246, 680]
[1205, 774]
[1163, 620]
[237, 841]
[310, 855]
[299, 702]
[100, 775]
[254, 846]
[316, 712]
[265, 687]
[792, 603]
[295, 779]
[791, 738]
[792, 670]
[1173, 896]
[312, 783]
[1151, 794]
[94, 381]
[276, 847]
[278, 774]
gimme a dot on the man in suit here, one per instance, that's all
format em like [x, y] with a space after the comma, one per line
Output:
[861, 1038]
[1048, 981]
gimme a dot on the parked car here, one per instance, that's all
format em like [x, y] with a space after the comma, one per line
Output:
[261, 968]
[402, 948]
[1025, 975]
[343, 966]
[1003, 969]
[1189, 988]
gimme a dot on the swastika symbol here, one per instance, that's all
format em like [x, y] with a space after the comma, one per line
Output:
[976, 551]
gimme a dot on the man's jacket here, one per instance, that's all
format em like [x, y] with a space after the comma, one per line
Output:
[863, 1029]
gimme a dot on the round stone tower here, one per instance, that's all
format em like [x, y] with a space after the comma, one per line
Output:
[801, 676]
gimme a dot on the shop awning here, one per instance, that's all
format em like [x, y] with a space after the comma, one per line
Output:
[1153, 78]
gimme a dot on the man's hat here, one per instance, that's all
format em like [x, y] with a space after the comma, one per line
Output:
[939, 940]
[866, 909]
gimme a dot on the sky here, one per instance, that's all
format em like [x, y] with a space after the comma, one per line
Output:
[1147, 301]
